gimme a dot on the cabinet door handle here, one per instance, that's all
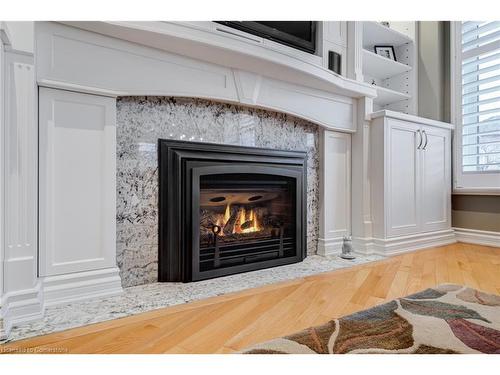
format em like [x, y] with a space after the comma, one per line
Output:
[426, 139]
[420, 136]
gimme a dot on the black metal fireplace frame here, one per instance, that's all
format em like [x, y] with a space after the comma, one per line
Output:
[180, 166]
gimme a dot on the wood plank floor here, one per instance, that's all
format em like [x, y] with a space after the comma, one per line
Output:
[231, 322]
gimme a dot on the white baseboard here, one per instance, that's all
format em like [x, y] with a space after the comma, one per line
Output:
[478, 237]
[81, 285]
[20, 307]
[330, 246]
[403, 244]
[28, 305]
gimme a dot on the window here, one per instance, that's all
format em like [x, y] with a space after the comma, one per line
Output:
[478, 106]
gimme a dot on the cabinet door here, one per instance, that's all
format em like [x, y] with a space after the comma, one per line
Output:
[77, 182]
[402, 176]
[436, 179]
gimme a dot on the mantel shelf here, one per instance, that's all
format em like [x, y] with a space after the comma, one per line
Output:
[377, 66]
[226, 50]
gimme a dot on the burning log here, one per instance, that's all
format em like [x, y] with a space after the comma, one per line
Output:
[229, 227]
[248, 224]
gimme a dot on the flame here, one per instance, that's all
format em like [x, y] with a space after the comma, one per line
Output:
[241, 218]
[255, 226]
[252, 217]
[227, 214]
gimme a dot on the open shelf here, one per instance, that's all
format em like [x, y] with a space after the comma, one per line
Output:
[381, 67]
[395, 81]
[375, 33]
[387, 96]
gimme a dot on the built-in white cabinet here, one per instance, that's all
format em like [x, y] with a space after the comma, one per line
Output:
[410, 170]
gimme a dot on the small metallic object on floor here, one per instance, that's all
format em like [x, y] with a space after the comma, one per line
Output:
[347, 251]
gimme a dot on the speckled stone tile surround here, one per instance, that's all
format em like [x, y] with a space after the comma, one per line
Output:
[141, 121]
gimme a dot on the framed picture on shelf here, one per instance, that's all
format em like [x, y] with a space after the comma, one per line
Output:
[386, 51]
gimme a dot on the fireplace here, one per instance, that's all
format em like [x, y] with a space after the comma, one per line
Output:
[228, 209]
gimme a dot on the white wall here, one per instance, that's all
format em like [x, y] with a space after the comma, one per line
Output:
[431, 70]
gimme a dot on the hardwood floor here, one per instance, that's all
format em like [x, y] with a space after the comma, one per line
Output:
[231, 322]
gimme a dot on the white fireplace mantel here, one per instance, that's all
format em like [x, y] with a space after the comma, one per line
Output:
[72, 81]
[173, 59]
[220, 45]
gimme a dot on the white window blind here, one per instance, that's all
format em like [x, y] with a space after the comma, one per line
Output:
[480, 97]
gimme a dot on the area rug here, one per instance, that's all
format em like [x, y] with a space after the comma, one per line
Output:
[443, 320]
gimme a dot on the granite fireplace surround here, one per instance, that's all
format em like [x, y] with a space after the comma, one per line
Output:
[141, 121]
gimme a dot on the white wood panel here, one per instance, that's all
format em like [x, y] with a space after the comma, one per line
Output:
[341, 50]
[335, 195]
[374, 33]
[20, 174]
[403, 166]
[119, 68]
[376, 176]
[387, 96]
[354, 50]
[335, 32]
[381, 67]
[92, 60]
[21, 300]
[248, 86]
[21, 35]
[436, 179]
[3, 40]
[77, 182]
[328, 110]
[223, 49]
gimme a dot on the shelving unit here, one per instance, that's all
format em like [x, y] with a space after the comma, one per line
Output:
[396, 81]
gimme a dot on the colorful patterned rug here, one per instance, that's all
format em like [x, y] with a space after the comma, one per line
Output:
[443, 320]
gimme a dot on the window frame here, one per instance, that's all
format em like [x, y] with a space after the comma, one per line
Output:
[484, 183]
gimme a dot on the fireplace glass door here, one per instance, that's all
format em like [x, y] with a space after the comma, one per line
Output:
[246, 218]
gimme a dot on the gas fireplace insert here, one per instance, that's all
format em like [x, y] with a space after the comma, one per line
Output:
[228, 209]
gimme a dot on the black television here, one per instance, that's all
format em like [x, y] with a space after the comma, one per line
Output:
[297, 34]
